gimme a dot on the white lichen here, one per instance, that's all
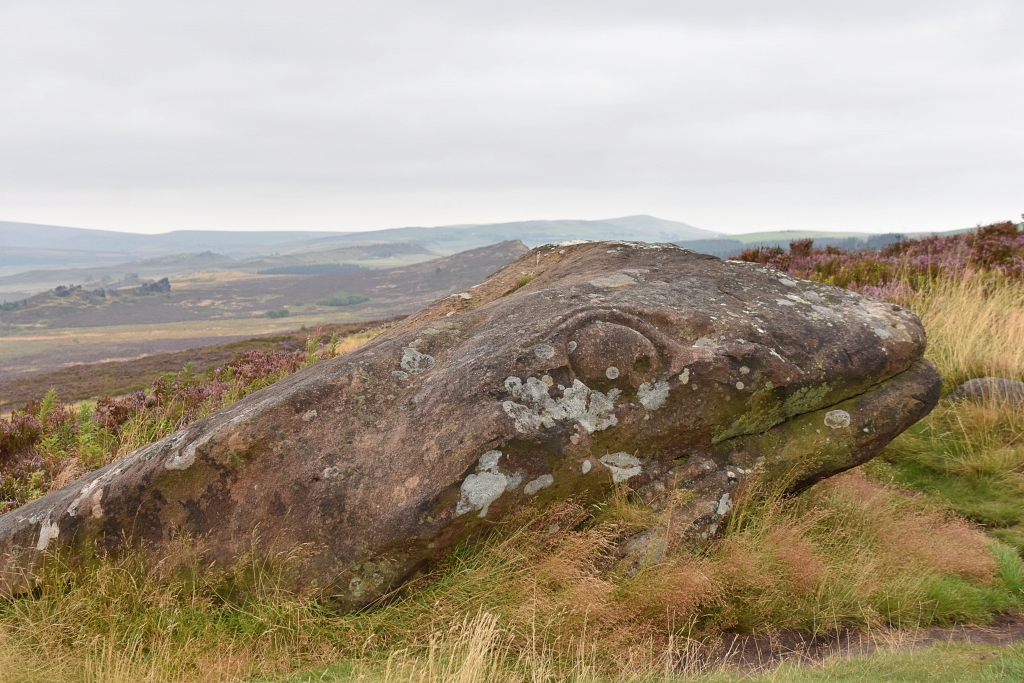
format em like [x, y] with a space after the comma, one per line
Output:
[514, 480]
[309, 416]
[484, 487]
[82, 495]
[48, 531]
[544, 351]
[593, 410]
[183, 459]
[612, 372]
[623, 466]
[415, 362]
[837, 419]
[585, 467]
[541, 482]
[724, 504]
[653, 396]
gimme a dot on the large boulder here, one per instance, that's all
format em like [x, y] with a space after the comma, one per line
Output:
[574, 369]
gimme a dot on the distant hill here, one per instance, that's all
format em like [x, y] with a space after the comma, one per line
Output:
[383, 255]
[380, 255]
[66, 245]
[105, 275]
[452, 239]
[34, 258]
[59, 255]
[131, 246]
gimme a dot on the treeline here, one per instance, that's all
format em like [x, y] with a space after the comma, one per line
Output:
[312, 269]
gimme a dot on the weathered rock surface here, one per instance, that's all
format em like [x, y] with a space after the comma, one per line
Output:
[574, 368]
[991, 389]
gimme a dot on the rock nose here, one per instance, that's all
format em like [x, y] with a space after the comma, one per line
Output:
[607, 355]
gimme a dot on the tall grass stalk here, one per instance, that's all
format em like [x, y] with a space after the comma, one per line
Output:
[975, 326]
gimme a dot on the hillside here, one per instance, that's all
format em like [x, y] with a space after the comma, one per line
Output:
[26, 244]
[57, 328]
[117, 378]
[380, 255]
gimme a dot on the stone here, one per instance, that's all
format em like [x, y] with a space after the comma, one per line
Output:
[382, 460]
[991, 389]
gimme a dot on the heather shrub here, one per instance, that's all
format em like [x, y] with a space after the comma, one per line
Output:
[47, 444]
[896, 270]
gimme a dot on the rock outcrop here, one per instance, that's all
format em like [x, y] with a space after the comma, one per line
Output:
[991, 389]
[576, 368]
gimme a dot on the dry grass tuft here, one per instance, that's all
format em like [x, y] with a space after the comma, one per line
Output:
[975, 326]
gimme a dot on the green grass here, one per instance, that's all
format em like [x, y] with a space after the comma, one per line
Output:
[944, 663]
[965, 456]
[343, 299]
[988, 500]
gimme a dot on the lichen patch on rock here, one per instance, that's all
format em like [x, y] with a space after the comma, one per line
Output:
[623, 466]
[837, 419]
[653, 396]
[415, 362]
[592, 409]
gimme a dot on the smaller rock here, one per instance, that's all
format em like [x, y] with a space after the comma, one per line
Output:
[991, 389]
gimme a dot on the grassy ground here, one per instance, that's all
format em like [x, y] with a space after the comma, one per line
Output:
[925, 535]
[117, 378]
[968, 457]
[946, 663]
[41, 350]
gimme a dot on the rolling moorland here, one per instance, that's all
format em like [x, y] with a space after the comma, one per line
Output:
[927, 535]
[61, 327]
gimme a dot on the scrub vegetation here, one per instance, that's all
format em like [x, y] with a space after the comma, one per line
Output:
[925, 535]
[343, 299]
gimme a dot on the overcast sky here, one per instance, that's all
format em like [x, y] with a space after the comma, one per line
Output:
[731, 116]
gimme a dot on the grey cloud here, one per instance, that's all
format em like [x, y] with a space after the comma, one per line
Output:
[728, 115]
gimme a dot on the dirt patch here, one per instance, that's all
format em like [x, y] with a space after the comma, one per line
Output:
[764, 651]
